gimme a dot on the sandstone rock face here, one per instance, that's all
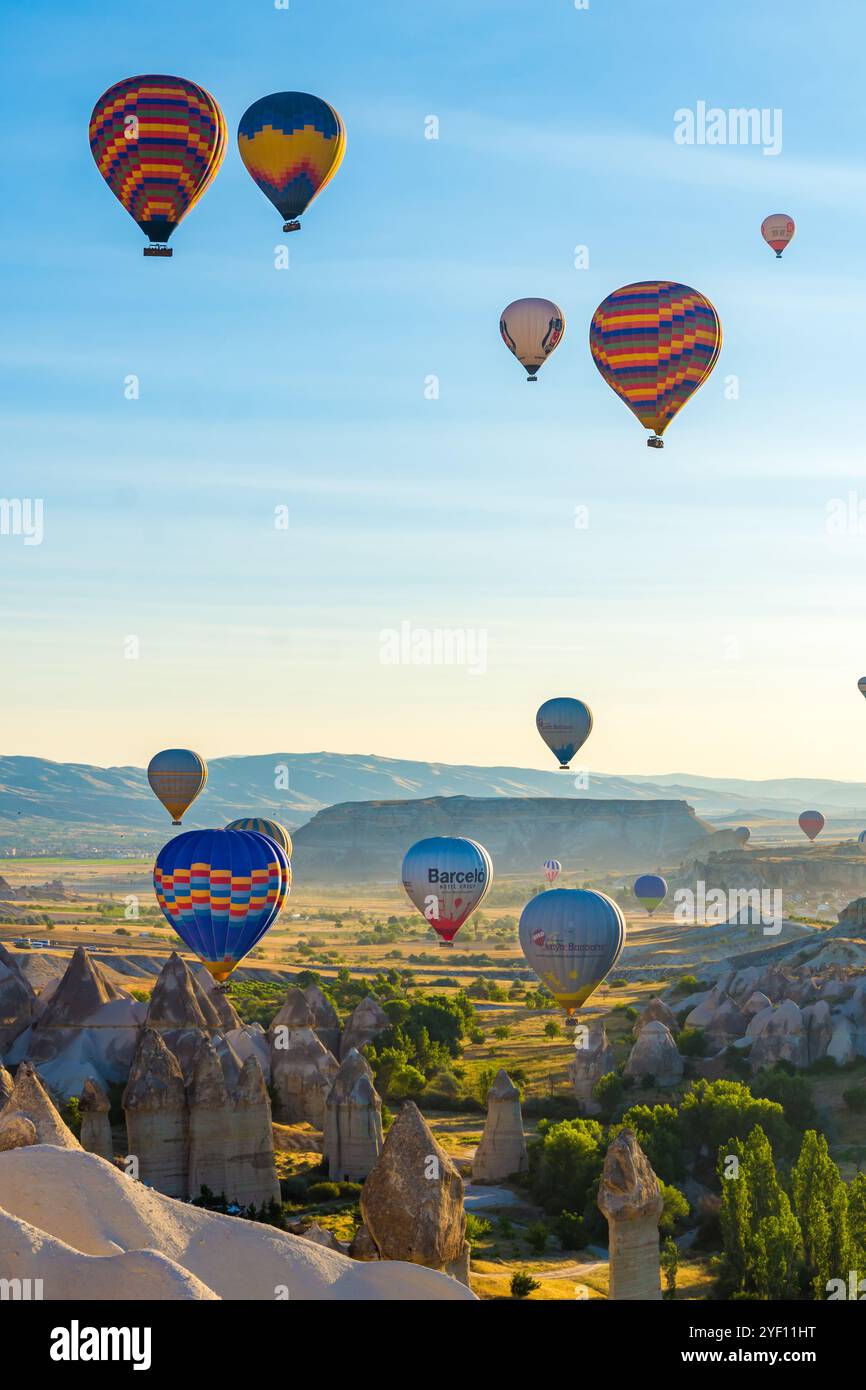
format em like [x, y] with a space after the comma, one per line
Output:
[412, 1202]
[630, 1199]
[95, 1127]
[16, 1131]
[18, 1006]
[29, 1098]
[6, 1084]
[819, 1029]
[325, 1020]
[363, 1246]
[353, 1121]
[755, 1004]
[296, 1012]
[251, 1176]
[778, 1034]
[179, 1000]
[367, 1021]
[843, 1042]
[591, 1061]
[657, 1012]
[502, 1150]
[208, 1100]
[157, 1119]
[228, 1016]
[302, 1074]
[655, 1054]
[83, 990]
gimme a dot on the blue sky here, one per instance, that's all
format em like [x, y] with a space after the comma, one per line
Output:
[706, 613]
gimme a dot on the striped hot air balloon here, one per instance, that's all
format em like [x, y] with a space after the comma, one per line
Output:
[271, 828]
[655, 343]
[446, 878]
[292, 144]
[571, 937]
[176, 776]
[778, 230]
[552, 870]
[650, 889]
[532, 329]
[158, 142]
[565, 724]
[811, 823]
[221, 890]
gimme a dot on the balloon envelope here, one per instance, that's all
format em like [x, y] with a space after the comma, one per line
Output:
[552, 870]
[221, 890]
[861, 840]
[743, 834]
[532, 329]
[778, 230]
[655, 343]
[565, 725]
[811, 823]
[446, 878]
[271, 828]
[861, 686]
[158, 142]
[650, 889]
[571, 937]
[176, 776]
[292, 144]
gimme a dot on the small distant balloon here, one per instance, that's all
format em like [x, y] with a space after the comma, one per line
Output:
[743, 834]
[565, 724]
[655, 343]
[176, 776]
[271, 828]
[552, 870]
[778, 230]
[861, 840]
[811, 823]
[446, 878]
[532, 329]
[650, 889]
[571, 937]
[861, 686]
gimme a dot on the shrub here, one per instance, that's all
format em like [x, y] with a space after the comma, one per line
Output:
[476, 1228]
[570, 1230]
[523, 1284]
[323, 1192]
[536, 1237]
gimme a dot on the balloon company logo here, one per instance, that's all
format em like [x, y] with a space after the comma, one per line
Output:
[434, 646]
[538, 937]
[557, 947]
[23, 516]
[737, 126]
[450, 878]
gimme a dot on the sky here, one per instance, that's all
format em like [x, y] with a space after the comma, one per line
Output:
[706, 600]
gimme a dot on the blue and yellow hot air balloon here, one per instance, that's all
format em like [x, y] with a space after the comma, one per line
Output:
[158, 142]
[571, 937]
[292, 144]
[262, 826]
[650, 889]
[565, 724]
[655, 343]
[221, 890]
[176, 776]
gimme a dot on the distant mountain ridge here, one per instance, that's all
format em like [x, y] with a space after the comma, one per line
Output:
[56, 801]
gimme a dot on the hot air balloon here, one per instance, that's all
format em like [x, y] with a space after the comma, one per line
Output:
[565, 725]
[176, 776]
[446, 878]
[271, 828]
[811, 823]
[552, 870]
[532, 329]
[158, 142]
[743, 834]
[778, 230]
[861, 840]
[571, 938]
[861, 686]
[292, 144]
[650, 889]
[221, 890]
[655, 343]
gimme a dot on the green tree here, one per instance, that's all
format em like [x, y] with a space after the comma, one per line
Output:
[821, 1207]
[523, 1284]
[669, 1261]
[675, 1210]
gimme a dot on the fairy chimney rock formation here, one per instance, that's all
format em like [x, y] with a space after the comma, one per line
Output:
[353, 1121]
[251, 1176]
[412, 1201]
[95, 1126]
[18, 1006]
[208, 1100]
[157, 1120]
[302, 1068]
[179, 1001]
[84, 988]
[630, 1199]
[502, 1150]
[367, 1021]
[593, 1059]
[29, 1100]
[325, 1021]
[655, 1054]
[228, 1016]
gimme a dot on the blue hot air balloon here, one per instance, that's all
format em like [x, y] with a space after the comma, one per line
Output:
[861, 839]
[743, 834]
[446, 877]
[650, 889]
[221, 890]
[571, 938]
[565, 725]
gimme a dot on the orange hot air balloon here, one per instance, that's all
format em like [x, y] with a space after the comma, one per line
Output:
[778, 230]
[176, 776]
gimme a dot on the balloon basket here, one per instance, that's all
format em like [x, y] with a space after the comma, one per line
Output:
[158, 251]
[570, 1021]
[563, 767]
[655, 442]
[291, 226]
[532, 378]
